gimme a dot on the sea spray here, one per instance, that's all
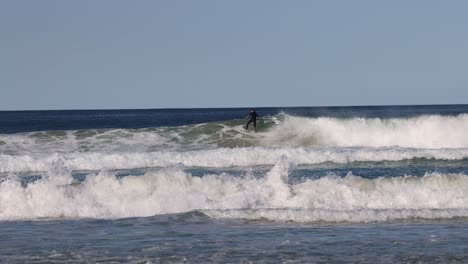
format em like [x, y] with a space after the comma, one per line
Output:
[276, 181]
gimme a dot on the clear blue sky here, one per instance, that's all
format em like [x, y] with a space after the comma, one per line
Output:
[157, 54]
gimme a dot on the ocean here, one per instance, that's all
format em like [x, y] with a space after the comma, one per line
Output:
[368, 184]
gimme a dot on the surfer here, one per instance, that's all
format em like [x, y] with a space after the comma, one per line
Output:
[252, 119]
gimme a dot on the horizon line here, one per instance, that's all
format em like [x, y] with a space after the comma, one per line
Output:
[234, 107]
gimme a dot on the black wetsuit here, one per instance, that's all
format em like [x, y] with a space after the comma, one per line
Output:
[253, 119]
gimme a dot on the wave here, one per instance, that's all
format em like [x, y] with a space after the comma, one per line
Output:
[171, 190]
[220, 158]
[430, 131]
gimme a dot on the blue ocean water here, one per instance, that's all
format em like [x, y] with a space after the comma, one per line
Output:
[370, 184]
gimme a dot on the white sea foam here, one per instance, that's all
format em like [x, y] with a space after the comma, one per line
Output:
[115, 140]
[320, 215]
[431, 131]
[172, 190]
[222, 157]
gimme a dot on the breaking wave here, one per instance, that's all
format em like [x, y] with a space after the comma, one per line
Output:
[219, 158]
[432, 131]
[282, 140]
[171, 190]
[429, 131]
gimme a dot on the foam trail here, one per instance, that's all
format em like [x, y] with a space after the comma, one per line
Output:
[334, 216]
[223, 157]
[172, 190]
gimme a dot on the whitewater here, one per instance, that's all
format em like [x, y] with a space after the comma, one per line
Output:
[377, 184]
[249, 180]
[329, 198]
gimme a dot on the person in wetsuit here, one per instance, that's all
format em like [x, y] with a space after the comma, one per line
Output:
[252, 119]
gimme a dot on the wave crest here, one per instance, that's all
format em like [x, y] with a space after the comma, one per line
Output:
[330, 198]
[431, 131]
